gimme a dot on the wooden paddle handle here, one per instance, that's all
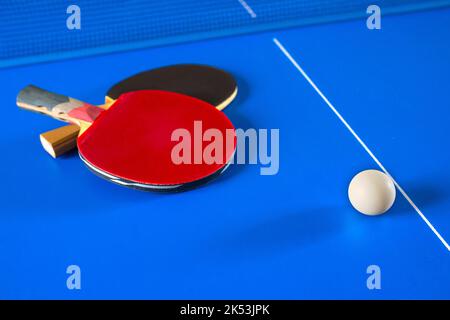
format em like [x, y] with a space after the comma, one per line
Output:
[61, 140]
[57, 106]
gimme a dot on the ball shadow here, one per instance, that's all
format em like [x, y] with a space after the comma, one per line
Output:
[422, 194]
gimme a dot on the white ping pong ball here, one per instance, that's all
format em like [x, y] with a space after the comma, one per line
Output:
[371, 192]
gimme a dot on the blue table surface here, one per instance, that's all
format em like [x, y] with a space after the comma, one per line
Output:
[292, 235]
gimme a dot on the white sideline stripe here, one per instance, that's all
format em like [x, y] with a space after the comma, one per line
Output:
[297, 66]
[248, 8]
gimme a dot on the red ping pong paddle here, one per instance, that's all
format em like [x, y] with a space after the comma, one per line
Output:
[132, 143]
[206, 83]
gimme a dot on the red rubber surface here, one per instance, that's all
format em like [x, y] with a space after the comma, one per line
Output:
[132, 139]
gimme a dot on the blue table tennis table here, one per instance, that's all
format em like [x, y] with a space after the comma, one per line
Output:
[344, 98]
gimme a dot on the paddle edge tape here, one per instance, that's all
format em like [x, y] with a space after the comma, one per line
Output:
[227, 101]
[153, 187]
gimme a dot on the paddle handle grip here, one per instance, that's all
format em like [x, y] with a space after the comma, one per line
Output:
[56, 105]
